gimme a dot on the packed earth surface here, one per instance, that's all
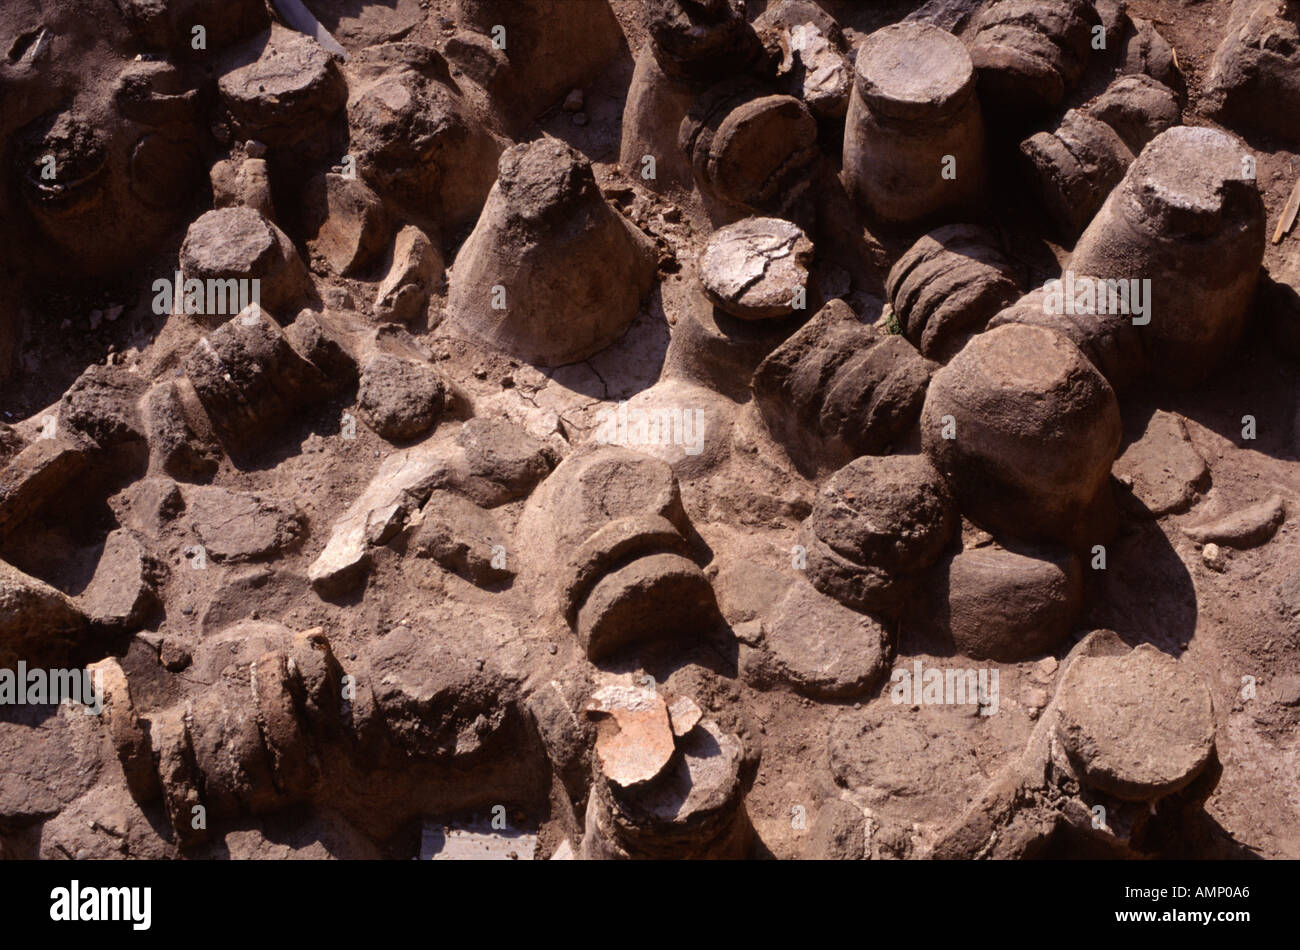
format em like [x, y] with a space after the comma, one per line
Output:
[607, 429]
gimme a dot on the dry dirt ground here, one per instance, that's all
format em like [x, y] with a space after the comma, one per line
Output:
[461, 737]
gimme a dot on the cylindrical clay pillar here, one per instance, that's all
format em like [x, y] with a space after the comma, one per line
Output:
[691, 45]
[1187, 218]
[914, 138]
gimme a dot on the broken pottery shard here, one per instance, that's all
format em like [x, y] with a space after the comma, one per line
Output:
[372, 519]
[130, 741]
[634, 739]
[462, 537]
[812, 55]
[695, 808]
[683, 714]
[415, 271]
[99, 407]
[757, 269]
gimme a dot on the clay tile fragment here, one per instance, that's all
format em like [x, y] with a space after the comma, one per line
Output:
[634, 739]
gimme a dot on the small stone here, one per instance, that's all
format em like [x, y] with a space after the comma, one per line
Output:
[1245, 528]
[174, 655]
[573, 102]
